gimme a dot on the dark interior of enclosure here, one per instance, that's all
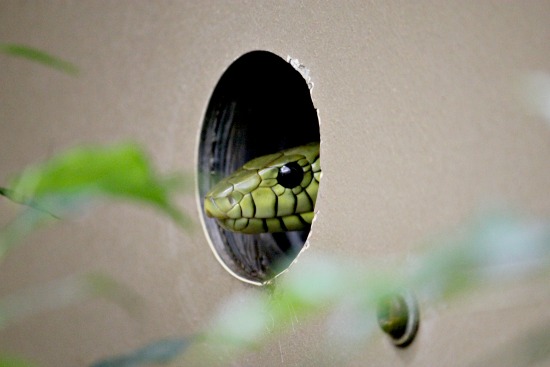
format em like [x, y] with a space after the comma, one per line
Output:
[260, 105]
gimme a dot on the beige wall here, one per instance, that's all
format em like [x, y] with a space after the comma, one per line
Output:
[420, 126]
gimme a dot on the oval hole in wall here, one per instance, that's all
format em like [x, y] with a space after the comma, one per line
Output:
[261, 105]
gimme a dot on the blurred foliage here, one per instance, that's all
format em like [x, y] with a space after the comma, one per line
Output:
[38, 56]
[8, 361]
[71, 179]
[159, 352]
[342, 294]
[63, 185]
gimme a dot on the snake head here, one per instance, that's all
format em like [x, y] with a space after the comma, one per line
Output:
[271, 193]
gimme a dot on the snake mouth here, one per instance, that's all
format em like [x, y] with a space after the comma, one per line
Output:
[292, 222]
[212, 210]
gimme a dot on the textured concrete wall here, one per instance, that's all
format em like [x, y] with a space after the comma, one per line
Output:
[420, 126]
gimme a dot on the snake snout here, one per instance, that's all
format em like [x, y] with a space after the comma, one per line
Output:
[223, 204]
[212, 210]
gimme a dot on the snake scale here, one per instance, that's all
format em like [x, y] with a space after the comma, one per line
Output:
[272, 193]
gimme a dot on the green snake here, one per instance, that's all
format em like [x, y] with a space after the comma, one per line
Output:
[272, 193]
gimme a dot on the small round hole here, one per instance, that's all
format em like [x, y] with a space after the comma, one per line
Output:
[261, 105]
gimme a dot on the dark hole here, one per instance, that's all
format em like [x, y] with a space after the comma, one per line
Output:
[260, 105]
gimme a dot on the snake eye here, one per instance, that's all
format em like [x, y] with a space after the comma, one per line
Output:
[290, 175]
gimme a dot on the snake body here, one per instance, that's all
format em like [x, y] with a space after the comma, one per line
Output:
[272, 193]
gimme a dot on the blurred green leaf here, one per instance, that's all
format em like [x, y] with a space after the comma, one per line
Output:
[62, 293]
[491, 251]
[7, 361]
[39, 56]
[120, 171]
[159, 352]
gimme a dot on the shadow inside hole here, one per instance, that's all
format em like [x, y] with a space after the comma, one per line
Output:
[261, 105]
